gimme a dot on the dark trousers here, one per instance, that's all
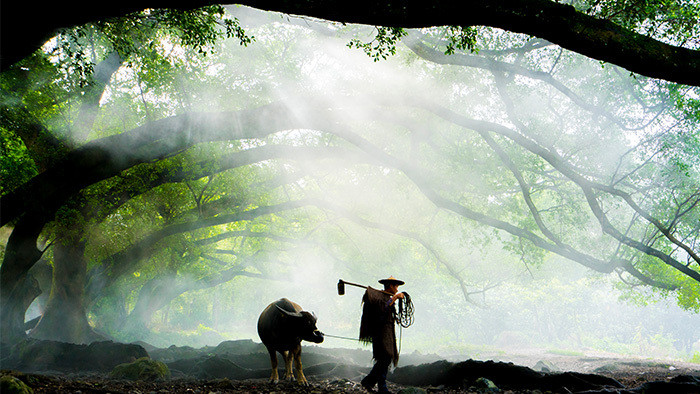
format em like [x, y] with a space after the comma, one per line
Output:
[378, 374]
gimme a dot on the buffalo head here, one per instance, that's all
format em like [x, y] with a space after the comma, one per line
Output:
[304, 325]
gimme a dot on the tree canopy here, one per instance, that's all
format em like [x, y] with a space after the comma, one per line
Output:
[172, 151]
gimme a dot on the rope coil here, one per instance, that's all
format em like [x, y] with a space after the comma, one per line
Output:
[404, 317]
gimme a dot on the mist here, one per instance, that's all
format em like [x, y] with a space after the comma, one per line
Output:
[376, 148]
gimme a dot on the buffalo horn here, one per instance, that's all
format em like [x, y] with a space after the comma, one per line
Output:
[288, 313]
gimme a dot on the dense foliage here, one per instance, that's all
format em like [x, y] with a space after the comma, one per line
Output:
[469, 161]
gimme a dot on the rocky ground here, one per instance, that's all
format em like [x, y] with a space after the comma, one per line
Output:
[243, 367]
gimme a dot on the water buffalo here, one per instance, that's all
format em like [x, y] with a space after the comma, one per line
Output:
[281, 327]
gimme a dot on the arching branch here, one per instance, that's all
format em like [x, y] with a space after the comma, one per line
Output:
[25, 27]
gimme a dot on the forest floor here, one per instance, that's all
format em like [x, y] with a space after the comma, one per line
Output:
[631, 376]
[631, 373]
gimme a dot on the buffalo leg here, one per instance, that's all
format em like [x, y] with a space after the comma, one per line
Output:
[297, 364]
[288, 375]
[274, 378]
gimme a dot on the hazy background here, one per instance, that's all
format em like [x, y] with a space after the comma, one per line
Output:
[517, 302]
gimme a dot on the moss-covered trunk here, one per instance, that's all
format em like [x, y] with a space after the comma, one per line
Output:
[65, 318]
[15, 286]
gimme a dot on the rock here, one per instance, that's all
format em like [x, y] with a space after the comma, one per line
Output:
[257, 360]
[686, 379]
[12, 385]
[243, 346]
[507, 376]
[141, 369]
[217, 367]
[682, 384]
[149, 348]
[662, 387]
[103, 356]
[432, 374]
[221, 384]
[607, 368]
[465, 373]
[545, 366]
[575, 381]
[174, 353]
[483, 385]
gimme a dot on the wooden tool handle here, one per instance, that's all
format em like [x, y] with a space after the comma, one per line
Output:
[353, 284]
[362, 286]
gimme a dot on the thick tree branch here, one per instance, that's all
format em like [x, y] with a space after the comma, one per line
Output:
[26, 27]
[426, 186]
[413, 42]
[609, 229]
[132, 184]
[107, 157]
[558, 163]
[632, 270]
[123, 261]
[160, 291]
[43, 147]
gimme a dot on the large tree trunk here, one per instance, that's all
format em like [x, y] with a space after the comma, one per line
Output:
[15, 287]
[154, 294]
[159, 292]
[64, 318]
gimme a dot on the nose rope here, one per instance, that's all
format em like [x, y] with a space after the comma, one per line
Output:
[337, 336]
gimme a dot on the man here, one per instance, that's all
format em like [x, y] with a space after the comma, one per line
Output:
[377, 327]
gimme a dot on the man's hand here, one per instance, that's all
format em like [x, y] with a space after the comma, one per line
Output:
[395, 297]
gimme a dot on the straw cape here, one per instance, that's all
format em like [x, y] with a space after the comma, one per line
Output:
[377, 325]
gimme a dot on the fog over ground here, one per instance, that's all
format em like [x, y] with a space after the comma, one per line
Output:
[511, 298]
